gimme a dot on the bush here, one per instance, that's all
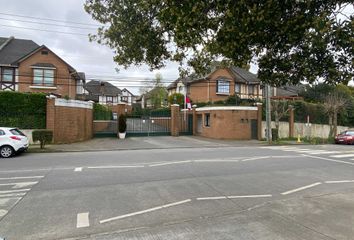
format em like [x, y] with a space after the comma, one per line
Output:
[233, 100]
[275, 134]
[220, 102]
[43, 136]
[122, 123]
[176, 98]
[23, 110]
[101, 112]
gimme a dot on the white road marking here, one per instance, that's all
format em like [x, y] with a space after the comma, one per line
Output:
[251, 196]
[29, 170]
[12, 195]
[3, 212]
[4, 201]
[17, 178]
[330, 160]
[82, 220]
[15, 191]
[301, 188]
[342, 156]
[169, 163]
[340, 181]
[215, 160]
[233, 197]
[255, 158]
[113, 167]
[19, 184]
[78, 169]
[286, 156]
[323, 152]
[145, 211]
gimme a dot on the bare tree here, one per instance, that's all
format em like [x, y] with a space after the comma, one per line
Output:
[334, 103]
[280, 109]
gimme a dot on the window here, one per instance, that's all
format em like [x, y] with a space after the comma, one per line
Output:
[207, 119]
[222, 86]
[237, 88]
[2, 133]
[124, 99]
[109, 99]
[43, 77]
[250, 89]
[17, 132]
[44, 52]
[7, 75]
[181, 89]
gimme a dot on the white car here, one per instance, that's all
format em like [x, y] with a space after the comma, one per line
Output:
[12, 141]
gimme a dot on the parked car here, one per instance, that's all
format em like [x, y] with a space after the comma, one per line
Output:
[12, 141]
[346, 137]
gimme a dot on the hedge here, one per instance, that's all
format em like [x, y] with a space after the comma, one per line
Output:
[101, 112]
[23, 110]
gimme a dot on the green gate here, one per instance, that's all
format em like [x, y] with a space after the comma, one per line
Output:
[186, 124]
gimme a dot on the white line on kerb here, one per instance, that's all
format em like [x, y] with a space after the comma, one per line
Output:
[234, 197]
[78, 169]
[340, 181]
[328, 159]
[342, 156]
[212, 160]
[16, 178]
[169, 163]
[82, 220]
[122, 166]
[145, 211]
[301, 188]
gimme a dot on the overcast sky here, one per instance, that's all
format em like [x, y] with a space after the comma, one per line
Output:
[89, 57]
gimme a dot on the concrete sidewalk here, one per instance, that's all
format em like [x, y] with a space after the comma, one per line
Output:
[135, 143]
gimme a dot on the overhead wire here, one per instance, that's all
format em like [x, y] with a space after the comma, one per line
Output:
[45, 30]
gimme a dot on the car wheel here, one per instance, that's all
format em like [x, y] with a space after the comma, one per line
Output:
[6, 151]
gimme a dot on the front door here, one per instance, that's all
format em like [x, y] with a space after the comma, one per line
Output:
[254, 129]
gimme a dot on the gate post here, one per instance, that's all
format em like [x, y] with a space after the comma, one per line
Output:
[175, 118]
[194, 120]
[291, 121]
[259, 121]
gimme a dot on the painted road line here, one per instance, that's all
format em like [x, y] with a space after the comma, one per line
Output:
[28, 170]
[211, 198]
[328, 159]
[78, 169]
[250, 196]
[323, 152]
[215, 160]
[233, 197]
[340, 181]
[301, 188]
[145, 211]
[342, 156]
[18, 178]
[285, 156]
[3, 212]
[5, 201]
[19, 184]
[169, 163]
[12, 195]
[113, 167]
[15, 191]
[254, 158]
[82, 220]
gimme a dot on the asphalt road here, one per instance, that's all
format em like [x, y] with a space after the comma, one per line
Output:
[256, 192]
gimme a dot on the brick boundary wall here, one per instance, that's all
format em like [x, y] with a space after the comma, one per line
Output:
[70, 120]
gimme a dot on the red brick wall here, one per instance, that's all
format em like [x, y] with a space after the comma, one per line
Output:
[120, 108]
[65, 84]
[69, 124]
[228, 124]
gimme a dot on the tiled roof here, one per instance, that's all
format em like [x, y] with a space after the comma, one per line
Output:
[243, 75]
[95, 87]
[13, 49]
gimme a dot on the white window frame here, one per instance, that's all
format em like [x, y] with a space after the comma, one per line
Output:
[43, 77]
[225, 86]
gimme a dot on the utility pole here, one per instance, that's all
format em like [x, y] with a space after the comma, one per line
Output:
[268, 115]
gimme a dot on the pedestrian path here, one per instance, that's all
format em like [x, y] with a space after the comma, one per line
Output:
[13, 189]
[338, 154]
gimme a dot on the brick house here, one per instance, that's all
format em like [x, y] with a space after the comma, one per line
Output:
[219, 85]
[27, 67]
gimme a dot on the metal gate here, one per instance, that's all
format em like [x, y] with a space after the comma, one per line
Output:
[186, 124]
[254, 129]
[105, 128]
[155, 123]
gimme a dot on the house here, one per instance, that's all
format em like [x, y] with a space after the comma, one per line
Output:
[155, 98]
[27, 67]
[288, 92]
[101, 92]
[219, 85]
[127, 97]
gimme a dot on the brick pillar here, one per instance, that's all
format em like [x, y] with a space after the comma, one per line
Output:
[195, 122]
[175, 118]
[291, 121]
[50, 116]
[259, 120]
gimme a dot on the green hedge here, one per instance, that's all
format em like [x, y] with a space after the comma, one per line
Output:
[23, 110]
[101, 112]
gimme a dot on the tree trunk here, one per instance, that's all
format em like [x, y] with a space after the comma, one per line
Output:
[330, 122]
[335, 123]
[276, 118]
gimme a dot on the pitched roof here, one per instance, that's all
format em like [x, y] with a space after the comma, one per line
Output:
[244, 75]
[290, 90]
[11, 49]
[126, 90]
[185, 81]
[95, 87]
